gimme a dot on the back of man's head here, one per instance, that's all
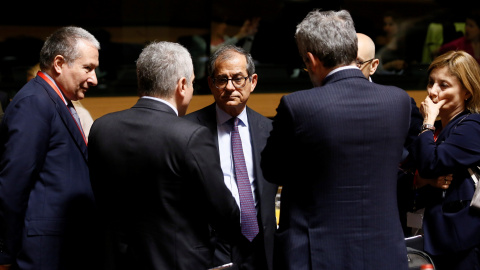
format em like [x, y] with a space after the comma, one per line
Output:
[366, 47]
[159, 68]
[328, 35]
[366, 60]
[64, 42]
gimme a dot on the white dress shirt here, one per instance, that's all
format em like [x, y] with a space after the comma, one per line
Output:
[163, 101]
[224, 130]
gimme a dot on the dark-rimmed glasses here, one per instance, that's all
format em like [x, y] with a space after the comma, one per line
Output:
[359, 64]
[237, 82]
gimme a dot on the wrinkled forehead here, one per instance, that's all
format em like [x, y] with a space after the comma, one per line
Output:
[230, 64]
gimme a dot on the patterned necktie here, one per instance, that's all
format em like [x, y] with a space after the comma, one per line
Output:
[248, 214]
[75, 116]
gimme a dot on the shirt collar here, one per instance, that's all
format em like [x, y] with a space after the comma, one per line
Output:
[341, 68]
[163, 101]
[223, 117]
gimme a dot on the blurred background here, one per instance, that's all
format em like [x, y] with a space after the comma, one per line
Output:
[123, 27]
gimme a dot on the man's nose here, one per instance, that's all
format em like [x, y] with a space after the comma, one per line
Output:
[230, 86]
[92, 79]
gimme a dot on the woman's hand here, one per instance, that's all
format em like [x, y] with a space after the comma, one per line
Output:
[430, 110]
[442, 182]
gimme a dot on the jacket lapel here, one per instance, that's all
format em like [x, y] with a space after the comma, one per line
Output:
[256, 131]
[208, 118]
[66, 117]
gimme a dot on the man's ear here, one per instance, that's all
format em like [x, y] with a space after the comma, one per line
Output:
[313, 61]
[182, 87]
[254, 81]
[374, 66]
[58, 63]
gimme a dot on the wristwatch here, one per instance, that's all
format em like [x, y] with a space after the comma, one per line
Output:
[428, 127]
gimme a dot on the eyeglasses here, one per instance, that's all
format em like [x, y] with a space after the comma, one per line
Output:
[359, 64]
[238, 82]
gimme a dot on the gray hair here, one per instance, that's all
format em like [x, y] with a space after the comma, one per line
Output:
[160, 66]
[328, 35]
[65, 42]
[226, 52]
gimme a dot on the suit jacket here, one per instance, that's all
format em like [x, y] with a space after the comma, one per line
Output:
[449, 225]
[47, 204]
[260, 127]
[158, 183]
[336, 149]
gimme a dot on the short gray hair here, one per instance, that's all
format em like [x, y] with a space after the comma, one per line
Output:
[328, 35]
[160, 66]
[65, 42]
[224, 53]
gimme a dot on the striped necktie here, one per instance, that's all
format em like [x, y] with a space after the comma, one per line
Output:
[75, 116]
[248, 214]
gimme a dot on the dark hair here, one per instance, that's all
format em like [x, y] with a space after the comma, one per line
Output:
[224, 53]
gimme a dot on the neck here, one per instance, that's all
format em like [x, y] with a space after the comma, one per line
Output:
[448, 116]
[234, 111]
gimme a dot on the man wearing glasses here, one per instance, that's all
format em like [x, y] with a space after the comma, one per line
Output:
[240, 134]
[366, 60]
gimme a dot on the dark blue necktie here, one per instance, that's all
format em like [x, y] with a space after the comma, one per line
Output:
[248, 214]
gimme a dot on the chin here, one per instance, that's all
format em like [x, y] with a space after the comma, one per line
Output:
[232, 103]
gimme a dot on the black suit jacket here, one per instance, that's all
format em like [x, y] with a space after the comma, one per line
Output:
[336, 149]
[260, 127]
[158, 183]
[46, 200]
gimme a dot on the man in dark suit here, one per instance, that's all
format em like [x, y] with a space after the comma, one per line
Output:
[231, 79]
[335, 150]
[47, 206]
[156, 177]
[368, 64]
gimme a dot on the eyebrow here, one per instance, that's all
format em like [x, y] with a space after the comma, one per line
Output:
[236, 74]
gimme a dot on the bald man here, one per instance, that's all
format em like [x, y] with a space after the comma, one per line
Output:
[366, 60]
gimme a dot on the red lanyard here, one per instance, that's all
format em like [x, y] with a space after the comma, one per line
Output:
[54, 86]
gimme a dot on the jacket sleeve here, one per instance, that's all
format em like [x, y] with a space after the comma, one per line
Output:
[25, 136]
[204, 163]
[277, 155]
[460, 150]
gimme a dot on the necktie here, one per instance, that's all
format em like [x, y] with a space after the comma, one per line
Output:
[248, 214]
[75, 116]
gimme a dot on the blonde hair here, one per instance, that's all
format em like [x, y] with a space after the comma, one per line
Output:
[463, 66]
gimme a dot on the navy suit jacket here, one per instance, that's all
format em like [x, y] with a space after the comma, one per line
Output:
[449, 225]
[336, 149]
[260, 127]
[158, 183]
[47, 204]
